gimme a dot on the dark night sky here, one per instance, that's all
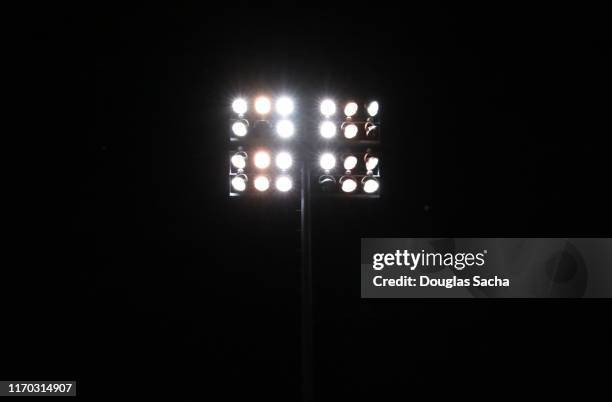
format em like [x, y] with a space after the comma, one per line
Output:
[140, 267]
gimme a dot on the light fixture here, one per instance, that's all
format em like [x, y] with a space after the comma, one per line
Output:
[370, 185]
[350, 109]
[328, 107]
[373, 108]
[285, 128]
[283, 183]
[327, 183]
[239, 182]
[327, 129]
[262, 105]
[239, 160]
[371, 162]
[284, 160]
[262, 160]
[240, 128]
[370, 129]
[350, 162]
[327, 161]
[348, 184]
[350, 131]
[262, 183]
[239, 106]
[284, 106]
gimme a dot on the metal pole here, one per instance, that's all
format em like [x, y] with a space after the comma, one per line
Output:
[307, 305]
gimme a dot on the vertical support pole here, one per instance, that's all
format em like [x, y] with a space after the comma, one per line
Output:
[307, 301]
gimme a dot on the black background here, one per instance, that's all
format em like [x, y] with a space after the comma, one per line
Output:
[129, 269]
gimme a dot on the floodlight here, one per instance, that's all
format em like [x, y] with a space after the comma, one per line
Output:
[370, 129]
[348, 184]
[328, 183]
[284, 160]
[262, 160]
[284, 106]
[240, 128]
[263, 105]
[350, 162]
[239, 160]
[370, 185]
[239, 106]
[328, 107]
[327, 161]
[350, 109]
[327, 129]
[371, 162]
[285, 128]
[372, 108]
[350, 131]
[239, 182]
[283, 183]
[262, 183]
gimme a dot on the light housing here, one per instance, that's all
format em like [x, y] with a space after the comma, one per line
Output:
[285, 128]
[284, 183]
[240, 128]
[350, 162]
[238, 160]
[327, 129]
[239, 106]
[373, 108]
[371, 162]
[350, 109]
[327, 183]
[283, 160]
[350, 130]
[261, 183]
[263, 105]
[239, 182]
[328, 107]
[348, 184]
[284, 106]
[262, 160]
[327, 161]
[370, 184]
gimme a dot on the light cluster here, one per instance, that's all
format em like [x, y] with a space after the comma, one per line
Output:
[355, 123]
[261, 116]
[260, 170]
[350, 172]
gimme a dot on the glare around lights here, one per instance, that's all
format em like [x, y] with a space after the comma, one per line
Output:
[239, 183]
[262, 183]
[239, 160]
[350, 131]
[327, 161]
[371, 163]
[284, 183]
[373, 108]
[327, 129]
[285, 128]
[370, 185]
[328, 107]
[263, 105]
[284, 160]
[239, 106]
[239, 128]
[350, 162]
[284, 106]
[262, 160]
[350, 109]
[349, 185]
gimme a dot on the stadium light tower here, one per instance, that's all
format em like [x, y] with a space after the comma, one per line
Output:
[269, 145]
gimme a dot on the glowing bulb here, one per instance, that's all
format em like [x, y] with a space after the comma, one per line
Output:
[239, 106]
[350, 109]
[350, 162]
[284, 106]
[350, 131]
[283, 183]
[328, 107]
[262, 105]
[284, 160]
[239, 128]
[373, 108]
[371, 163]
[262, 183]
[349, 185]
[239, 160]
[327, 161]
[285, 128]
[327, 129]
[239, 183]
[370, 185]
[262, 160]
